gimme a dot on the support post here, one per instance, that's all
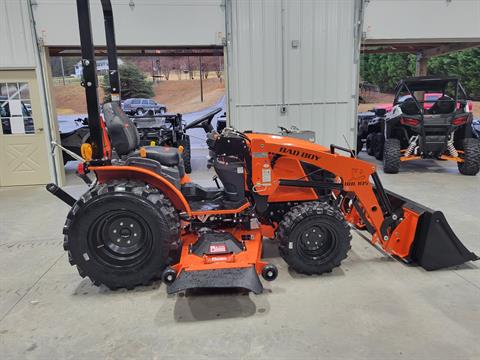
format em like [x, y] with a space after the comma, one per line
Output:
[421, 65]
[63, 70]
[201, 79]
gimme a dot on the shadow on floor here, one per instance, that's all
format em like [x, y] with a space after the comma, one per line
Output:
[215, 304]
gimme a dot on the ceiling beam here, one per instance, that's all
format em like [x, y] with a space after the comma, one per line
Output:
[446, 49]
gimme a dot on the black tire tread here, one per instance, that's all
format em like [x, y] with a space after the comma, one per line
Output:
[369, 144]
[140, 189]
[187, 154]
[299, 213]
[471, 164]
[391, 156]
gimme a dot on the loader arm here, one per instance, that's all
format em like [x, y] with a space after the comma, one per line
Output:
[400, 226]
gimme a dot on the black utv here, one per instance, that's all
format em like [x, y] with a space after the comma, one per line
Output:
[431, 118]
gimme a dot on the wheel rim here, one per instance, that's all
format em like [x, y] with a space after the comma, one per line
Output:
[120, 239]
[317, 242]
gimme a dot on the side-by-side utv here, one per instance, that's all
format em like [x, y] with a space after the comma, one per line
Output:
[143, 218]
[420, 128]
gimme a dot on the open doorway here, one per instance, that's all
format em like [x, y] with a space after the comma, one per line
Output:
[154, 84]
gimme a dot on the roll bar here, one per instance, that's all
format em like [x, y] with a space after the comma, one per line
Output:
[89, 81]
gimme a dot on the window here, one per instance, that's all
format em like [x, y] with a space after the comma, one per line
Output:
[144, 102]
[151, 102]
[136, 102]
[16, 108]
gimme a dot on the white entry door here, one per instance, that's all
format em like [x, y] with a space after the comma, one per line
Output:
[23, 149]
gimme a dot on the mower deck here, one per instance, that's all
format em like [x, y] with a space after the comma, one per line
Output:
[208, 257]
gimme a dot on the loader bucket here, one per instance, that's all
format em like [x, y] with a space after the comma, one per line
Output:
[435, 245]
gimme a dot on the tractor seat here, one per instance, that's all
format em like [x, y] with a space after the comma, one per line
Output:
[168, 156]
[125, 139]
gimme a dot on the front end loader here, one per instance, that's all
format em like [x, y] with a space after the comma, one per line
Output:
[143, 218]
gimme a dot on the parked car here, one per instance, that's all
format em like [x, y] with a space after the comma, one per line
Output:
[442, 130]
[476, 127]
[142, 106]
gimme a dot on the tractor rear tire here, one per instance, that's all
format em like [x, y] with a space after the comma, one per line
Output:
[187, 154]
[471, 164]
[314, 238]
[120, 234]
[391, 156]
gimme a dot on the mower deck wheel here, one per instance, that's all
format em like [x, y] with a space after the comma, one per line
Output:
[269, 272]
[169, 275]
[314, 238]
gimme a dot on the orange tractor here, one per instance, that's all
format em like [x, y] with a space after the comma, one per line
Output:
[143, 218]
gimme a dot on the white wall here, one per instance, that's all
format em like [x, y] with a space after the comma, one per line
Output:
[317, 80]
[437, 20]
[149, 23]
[17, 48]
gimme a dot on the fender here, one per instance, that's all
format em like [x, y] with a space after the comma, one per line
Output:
[109, 173]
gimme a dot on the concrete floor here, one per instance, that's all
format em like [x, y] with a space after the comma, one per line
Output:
[372, 307]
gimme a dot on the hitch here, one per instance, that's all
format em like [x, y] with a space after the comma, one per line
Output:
[62, 195]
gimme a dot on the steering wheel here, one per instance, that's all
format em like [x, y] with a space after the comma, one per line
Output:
[205, 122]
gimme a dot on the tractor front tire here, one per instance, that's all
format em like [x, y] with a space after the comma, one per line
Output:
[314, 238]
[187, 154]
[120, 234]
[471, 159]
[391, 156]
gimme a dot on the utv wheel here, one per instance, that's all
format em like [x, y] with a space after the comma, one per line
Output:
[378, 146]
[186, 155]
[314, 238]
[120, 234]
[391, 156]
[369, 144]
[359, 145]
[471, 157]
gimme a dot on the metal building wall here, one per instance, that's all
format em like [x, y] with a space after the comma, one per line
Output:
[434, 20]
[17, 48]
[145, 23]
[297, 56]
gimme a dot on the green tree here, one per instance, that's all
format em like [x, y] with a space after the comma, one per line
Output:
[464, 64]
[133, 83]
[385, 70]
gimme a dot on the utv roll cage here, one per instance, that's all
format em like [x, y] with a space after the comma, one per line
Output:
[431, 84]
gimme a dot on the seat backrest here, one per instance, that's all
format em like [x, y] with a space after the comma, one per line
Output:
[444, 105]
[409, 107]
[123, 133]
